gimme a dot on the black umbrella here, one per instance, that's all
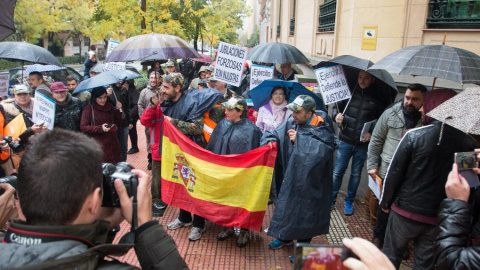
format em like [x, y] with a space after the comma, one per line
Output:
[7, 26]
[22, 51]
[437, 61]
[352, 66]
[276, 52]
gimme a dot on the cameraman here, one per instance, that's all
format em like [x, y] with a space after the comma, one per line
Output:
[60, 193]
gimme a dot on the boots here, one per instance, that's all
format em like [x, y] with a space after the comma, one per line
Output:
[149, 167]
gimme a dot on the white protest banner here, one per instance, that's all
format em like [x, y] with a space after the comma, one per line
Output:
[230, 61]
[4, 84]
[43, 110]
[332, 84]
[114, 66]
[258, 74]
[112, 44]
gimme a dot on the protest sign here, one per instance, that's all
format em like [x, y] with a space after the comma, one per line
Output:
[332, 84]
[43, 110]
[230, 61]
[114, 66]
[112, 44]
[258, 74]
[4, 84]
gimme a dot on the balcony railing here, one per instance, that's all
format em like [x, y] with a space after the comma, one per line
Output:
[292, 26]
[454, 14]
[278, 30]
[326, 19]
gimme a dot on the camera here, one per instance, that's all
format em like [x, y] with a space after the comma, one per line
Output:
[123, 172]
[12, 180]
[13, 144]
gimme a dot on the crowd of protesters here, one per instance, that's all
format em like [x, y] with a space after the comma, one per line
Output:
[411, 153]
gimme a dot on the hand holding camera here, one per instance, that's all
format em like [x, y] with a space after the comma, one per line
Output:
[123, 187]
[7, 202]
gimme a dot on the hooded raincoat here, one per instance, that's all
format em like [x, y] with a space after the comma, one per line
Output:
[302, 209]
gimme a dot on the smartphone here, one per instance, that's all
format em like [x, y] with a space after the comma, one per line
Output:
[109, 125]
[466, 160]
[319, 256]
[41, 123]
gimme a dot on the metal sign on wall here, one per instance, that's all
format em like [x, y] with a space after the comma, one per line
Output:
[369, 38]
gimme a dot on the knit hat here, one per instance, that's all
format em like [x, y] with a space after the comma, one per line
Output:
[302, 102]
[434, 98]
[58, 87]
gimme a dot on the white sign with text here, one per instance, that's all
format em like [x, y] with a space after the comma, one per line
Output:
[230, 61]
[258, 74]
[332, 84]
[43, 110]
[114, 66]
[112, 44]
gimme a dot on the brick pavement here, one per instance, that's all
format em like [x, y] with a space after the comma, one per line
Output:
[208, 253]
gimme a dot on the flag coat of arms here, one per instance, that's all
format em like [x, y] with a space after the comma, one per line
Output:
[230, 190]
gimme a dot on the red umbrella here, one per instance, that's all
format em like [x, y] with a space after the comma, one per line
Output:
[205, 58]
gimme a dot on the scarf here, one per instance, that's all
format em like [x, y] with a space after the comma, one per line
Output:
[27, 108]
[278, 112]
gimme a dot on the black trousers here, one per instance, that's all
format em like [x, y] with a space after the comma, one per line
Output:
[186, 217]
[133, 136]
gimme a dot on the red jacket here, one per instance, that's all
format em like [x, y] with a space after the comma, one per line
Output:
[153, 119]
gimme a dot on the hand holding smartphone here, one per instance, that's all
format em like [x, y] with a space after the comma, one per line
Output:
[318, 256]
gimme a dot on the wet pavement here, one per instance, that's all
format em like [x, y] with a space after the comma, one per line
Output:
[208, 253]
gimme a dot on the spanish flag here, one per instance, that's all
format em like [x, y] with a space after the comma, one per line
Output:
[230, 190]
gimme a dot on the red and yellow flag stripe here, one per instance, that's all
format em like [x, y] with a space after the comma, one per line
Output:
[230, 190]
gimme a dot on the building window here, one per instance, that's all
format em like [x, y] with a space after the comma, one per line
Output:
[454, 14]
[326, 17]
[292, 19]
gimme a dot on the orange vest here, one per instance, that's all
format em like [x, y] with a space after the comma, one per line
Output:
[5, 154]
[208, 125]
[316, 120]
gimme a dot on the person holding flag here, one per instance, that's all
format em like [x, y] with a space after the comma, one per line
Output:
[235, 135]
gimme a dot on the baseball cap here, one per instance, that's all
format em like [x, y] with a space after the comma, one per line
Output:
[236, 102]
[203, 69]
[58, 87]
[175, 78]
[20, 89]
[213, 79]
[302, 102]
[91, 53]
[170, 64]
[211, 68]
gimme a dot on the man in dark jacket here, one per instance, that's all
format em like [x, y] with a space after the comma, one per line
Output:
[185, 111]
[65, 231]
[415, 181]
[364, 106]
[306, 143]
[118, 96]
[133, 96]
[68, 109]
[452, 249]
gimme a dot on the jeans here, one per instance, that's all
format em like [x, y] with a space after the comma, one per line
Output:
[345, 151]
[122, 136]
[400, 231]
[133, 136]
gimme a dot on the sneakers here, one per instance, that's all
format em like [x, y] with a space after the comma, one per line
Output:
[196, 233]
[158, 209]
[243, 238]
[225, 233]
[177, 224]
[332, 205]
[132, 151]
[348, 208]
[276, 244]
